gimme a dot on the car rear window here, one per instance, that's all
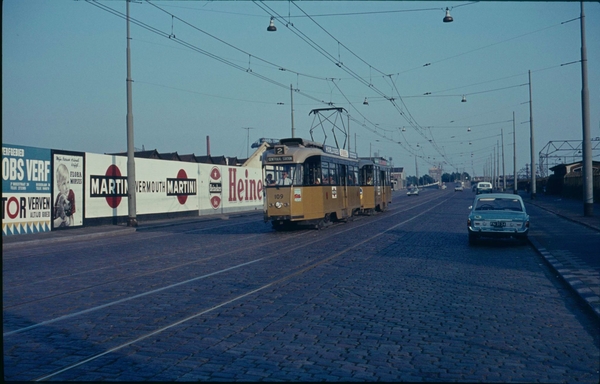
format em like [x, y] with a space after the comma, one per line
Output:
[499, 204]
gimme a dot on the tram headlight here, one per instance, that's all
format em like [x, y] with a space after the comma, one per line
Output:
[278, 204]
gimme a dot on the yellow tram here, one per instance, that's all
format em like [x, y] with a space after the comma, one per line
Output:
[309, 183]
[375, 185]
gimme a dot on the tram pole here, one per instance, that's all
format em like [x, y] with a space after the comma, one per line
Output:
[131, 204]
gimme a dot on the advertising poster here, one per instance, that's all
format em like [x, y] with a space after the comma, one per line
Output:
[225, 189]
[161, 186]
[26, 190]
[67, 189]
[106, 186]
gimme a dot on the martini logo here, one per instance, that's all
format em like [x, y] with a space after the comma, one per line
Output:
[215, 187]
[182, 187]
[112, 186]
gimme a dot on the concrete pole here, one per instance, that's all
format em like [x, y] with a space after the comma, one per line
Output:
[531, 142]
[588, 174]
[349, 136]
[515, 186]
[503, 169]
[292, 102]
[132, 219]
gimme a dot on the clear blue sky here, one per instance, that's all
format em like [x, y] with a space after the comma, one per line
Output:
[64, 71]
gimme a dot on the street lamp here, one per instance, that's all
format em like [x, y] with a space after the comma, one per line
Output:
[448, 18]
[271, 27]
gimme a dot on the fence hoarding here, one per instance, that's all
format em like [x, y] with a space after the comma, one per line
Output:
[26, 190]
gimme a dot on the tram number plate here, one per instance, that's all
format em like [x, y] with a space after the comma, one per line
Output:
[279, 196]
[498, 224]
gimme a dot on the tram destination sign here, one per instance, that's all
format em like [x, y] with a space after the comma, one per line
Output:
[278, 159]
[339, 152]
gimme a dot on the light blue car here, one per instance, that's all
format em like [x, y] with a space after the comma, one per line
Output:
[498, 215]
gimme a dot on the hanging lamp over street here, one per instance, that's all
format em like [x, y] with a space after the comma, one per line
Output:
[271, 27]
[448, 18]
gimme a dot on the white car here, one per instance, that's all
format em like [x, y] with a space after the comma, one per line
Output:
[413, 192]
[483, 187]
[458, 188]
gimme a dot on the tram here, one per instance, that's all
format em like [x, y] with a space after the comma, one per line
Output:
[375, 185]
[309, 183]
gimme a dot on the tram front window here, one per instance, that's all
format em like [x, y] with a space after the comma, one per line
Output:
[287, 175]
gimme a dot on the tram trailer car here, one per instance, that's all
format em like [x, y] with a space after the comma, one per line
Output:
[376, 185]
[309, 183]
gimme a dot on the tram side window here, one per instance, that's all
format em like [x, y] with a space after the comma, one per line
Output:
[325, 168]
[269, 175]
[385, 177]
[355, 173]
[312, 172]
[367, 175]
[343, 174]
[333, 174]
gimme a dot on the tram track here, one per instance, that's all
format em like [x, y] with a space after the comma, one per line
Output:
[299, 270]
[38, 250]
[246, 246]
[299, 267]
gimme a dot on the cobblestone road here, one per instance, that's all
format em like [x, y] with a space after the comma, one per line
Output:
[400, 296]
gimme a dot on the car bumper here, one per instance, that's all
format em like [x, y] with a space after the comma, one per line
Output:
[498, 233]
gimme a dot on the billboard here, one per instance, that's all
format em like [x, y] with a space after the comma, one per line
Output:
[225, 189]
[44, 189]
[26, 190]
[67, 193]
[161, 186]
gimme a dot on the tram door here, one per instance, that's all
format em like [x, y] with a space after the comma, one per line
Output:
[385, 188]
[343, 171]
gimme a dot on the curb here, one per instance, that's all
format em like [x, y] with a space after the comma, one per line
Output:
[94, 235]
[576, 285]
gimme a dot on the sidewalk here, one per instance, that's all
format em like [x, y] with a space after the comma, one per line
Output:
[575, 255]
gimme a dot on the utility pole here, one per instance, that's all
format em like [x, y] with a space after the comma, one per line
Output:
[588, 174]
[531, 143]
[514, 157]
[349, 147]
[131, 206]
[292, 101]
[248, 141]
[503, 170]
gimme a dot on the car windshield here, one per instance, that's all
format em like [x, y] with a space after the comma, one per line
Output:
[499, 204]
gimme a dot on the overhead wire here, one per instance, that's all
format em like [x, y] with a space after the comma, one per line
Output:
[197, 49]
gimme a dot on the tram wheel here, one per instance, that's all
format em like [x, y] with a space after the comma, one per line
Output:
[324, 222]
[278, 225]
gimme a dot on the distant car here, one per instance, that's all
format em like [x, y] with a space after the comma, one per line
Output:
[458, 188]
[413, 192]
[483, 187]
[498, 215]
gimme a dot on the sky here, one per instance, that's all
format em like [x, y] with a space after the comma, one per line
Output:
[211, 69]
